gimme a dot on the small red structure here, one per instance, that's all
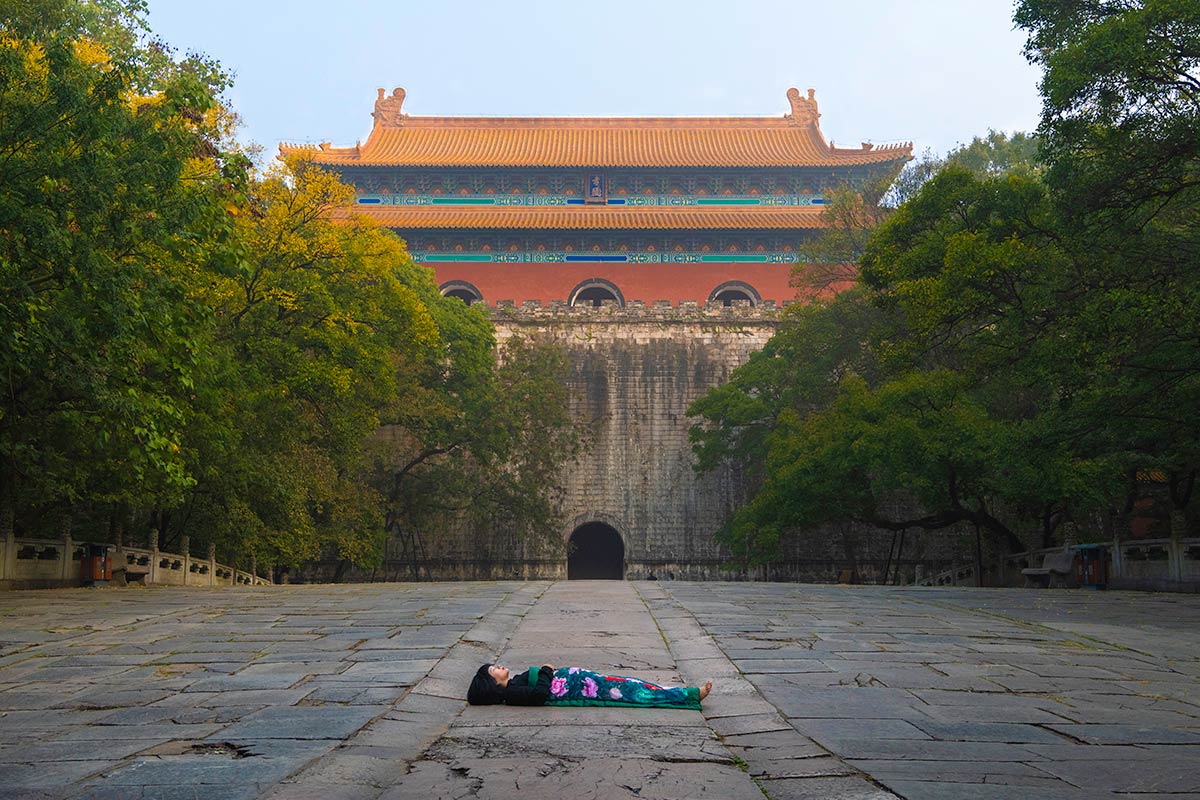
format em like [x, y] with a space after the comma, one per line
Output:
[96, 564]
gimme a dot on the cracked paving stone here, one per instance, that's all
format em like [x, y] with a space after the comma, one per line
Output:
[50, 775]
[1127, 734]
[659, 743]
[821, 729]
[591, 779]
[1013, 733]
[831, 788]
[931, 790]
[736, 726]
[302, 722]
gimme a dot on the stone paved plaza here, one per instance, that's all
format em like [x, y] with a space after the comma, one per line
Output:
[337, 692]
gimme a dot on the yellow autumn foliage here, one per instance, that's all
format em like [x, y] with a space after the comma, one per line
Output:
[92, 53]
[35, 68]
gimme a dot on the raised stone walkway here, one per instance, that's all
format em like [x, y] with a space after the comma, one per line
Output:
[856, 693]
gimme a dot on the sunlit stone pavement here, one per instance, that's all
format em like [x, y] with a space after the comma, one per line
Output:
[822, 691]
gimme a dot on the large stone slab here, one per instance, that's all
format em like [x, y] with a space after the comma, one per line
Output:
[583, 740]
[266, 763]
[594, 778]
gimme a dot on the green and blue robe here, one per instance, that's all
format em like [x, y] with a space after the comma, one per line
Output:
[574, 686]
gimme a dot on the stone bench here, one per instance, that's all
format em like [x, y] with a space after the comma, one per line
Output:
[134, 570]
[1055, 566]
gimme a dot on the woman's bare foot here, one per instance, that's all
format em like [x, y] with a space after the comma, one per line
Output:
[705, 689]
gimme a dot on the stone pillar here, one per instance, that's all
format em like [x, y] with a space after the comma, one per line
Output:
[154, 557]
[1175, 548]
[69, 572]
[185, 544]
[212, 564]
[1108, 527]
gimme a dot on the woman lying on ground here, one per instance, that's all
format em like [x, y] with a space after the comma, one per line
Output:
[572, 686]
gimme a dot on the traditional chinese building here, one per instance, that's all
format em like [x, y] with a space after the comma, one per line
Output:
[687, 227]
[584, 210]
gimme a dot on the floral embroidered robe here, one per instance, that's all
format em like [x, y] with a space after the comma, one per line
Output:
[574, 686]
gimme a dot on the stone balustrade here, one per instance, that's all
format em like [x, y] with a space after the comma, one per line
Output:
[44, 563]
[1169, 564]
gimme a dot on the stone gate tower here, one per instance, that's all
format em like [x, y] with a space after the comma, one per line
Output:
[657, 250]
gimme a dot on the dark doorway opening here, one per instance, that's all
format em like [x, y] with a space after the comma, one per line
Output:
[593, 292]
[464, 295]
[727, 297]
[594, 296]
[595, 552]
[464, 291]
[731, 292]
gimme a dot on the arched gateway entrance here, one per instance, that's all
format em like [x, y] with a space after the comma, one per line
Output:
[595, 552]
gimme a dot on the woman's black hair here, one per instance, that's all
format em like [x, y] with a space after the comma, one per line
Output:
[484, 691]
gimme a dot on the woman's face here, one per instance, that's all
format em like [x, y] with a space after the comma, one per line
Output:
[499, 674]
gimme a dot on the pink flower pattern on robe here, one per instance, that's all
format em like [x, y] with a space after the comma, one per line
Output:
[577, 686]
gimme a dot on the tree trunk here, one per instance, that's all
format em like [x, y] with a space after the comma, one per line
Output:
[7, 515]
[978, 557]
[1050, 524]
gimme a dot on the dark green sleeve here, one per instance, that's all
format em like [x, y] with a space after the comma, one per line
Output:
[530, 689]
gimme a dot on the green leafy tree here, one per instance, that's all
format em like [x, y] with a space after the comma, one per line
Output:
[486, 455]
[1121, 104]
[96, 206]
[1043, 315]
[350, 402]
[213, 353]
[1121, 92]
[314, 331]
[913, 400]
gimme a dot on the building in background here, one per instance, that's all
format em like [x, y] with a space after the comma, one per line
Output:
[578, 229]
[583, 210]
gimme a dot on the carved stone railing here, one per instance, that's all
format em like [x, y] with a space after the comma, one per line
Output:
[1170, 564]
[43, 563]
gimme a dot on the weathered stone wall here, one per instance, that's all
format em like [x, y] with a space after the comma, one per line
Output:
[634, 371]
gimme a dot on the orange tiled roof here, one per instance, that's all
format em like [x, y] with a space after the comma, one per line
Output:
[792, 140]
[591, 217]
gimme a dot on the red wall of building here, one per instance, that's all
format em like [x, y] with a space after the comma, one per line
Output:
[647, 282]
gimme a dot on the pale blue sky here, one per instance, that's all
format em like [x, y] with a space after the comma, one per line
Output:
[935, 72]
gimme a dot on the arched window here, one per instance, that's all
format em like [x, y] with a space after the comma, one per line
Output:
[595, 291]
[728, 292]
[462, 290]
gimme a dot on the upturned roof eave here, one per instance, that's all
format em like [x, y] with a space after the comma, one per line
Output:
[791, 141]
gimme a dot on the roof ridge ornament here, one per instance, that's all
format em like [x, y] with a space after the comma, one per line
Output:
[804, 111]
[387, 109]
